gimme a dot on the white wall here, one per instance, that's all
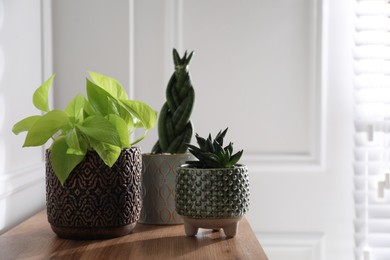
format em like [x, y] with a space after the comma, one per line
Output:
[89, 35]
[23, 65]
[284, 64]
[278, 73]
[93, 35]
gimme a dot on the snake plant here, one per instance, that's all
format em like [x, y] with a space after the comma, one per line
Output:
[174, 125]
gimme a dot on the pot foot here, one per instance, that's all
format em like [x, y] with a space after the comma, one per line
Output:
[190, 229]
[229, 225]
[231, 230]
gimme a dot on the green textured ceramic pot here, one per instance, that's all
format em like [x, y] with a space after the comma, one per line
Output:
[212, 198]
[158, 188]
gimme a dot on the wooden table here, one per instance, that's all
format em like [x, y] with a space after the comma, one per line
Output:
[33, 239]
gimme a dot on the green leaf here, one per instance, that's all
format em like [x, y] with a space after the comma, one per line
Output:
[72, 139]
[107, 152]
[181, 116]
[40, 96]
[24, 124]
[62, 162]
[220, 136]
[76, 143]
[100, 128]
[235, 158]
[113, 107]
[140, 138]
[116, 108]
[209, 144]
[176, 57]
[201, 142]
[127, 117]
[141, 111]
[45, 127]
[229, 148]
[121, 127]
[76, 108]
[88, 110]
[110, 85]
[98, 98]
[164, 133]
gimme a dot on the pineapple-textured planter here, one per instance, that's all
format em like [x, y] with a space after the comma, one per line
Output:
[96, 201]
[212, 198]
[158, 188]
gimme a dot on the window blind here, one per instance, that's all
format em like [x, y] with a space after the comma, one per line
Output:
[372, 129]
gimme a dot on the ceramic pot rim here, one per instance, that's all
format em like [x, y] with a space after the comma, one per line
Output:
[187, 166]
[123, 149]
[167, 154]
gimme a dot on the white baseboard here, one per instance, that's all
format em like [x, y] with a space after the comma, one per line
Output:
[292, 246]
[22, 193]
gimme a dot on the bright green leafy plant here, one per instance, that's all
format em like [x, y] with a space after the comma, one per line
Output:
[104, 122]
[174, 125]
[212, 154]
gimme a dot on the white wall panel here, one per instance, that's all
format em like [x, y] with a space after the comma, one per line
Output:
[270, 55]
[270, 74]
[21, 72]
[293, 246]
[89, 35]
[276, 73]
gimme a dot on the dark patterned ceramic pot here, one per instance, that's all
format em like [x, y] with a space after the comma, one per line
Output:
[158, 188]
[96, 201]
[212, 198]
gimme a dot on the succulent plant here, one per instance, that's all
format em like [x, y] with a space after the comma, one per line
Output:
[212, 154]
[174, 125]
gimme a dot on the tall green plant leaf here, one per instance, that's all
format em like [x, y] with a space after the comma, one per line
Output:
[88, 110]
[76, 108]
[98, 98]
[110, 85]
[40, 96]
[121, 127]
[24, 124]
[116, 108]
[45, 127]
[76, 143]
[102, 122]
[141, 111]
[100, 128]
[62, 162]
[109, 153]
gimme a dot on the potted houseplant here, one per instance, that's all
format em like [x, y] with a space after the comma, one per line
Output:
[212, 192]
[93, 171]
[174, 132]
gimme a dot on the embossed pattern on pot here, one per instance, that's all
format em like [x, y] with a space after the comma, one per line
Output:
[158, 188]
[96, 196]
[212, 193]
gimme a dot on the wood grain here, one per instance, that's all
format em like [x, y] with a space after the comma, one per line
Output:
[33, 239]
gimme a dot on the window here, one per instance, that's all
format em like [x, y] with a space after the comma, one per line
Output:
[372, 129]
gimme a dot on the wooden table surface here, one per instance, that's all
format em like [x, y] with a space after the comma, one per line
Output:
[34, 239]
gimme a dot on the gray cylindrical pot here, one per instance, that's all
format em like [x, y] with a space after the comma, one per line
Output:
[212, 198]
[96, 201]
[158, 188]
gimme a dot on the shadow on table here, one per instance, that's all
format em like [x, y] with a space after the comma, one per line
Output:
[164, 247]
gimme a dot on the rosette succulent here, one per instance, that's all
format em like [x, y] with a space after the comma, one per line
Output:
[212, 154]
